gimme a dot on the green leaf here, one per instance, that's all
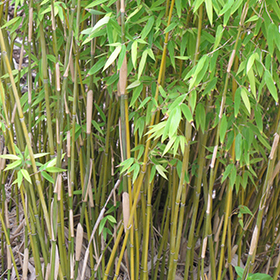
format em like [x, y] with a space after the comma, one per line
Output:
[226, 7]
[19, 178]
[251, 60]
[219, 35]
[54, 169]
[121, 57]
[238, 146]
[245, 99]
[152, 174]
[232, 176]
[139, 7]
[47, 177]
[142, 63]
[245, 210]
[40, 155]
[134, 84]
[95, 3]
[126, 164]
[178, 4]
[252, 81]
[102, 224]
[187, 112]
[170, 27]
[10, 156]
[197, 4]
[200, 117]
[111, 219]
[26, 175]
[253, 18]
[12, 22]
[223, 128]
[239, 271]
[147, 28]
[151, 54]
[270, 85]
[209, 10]
[134, 53]
[192, 100]
[97, 127]
[112, 57]
[210, 86]
[237, 100]
[260, 276]
[175, 118]
[13, 165]
[113, 208]
[258, 118]
[136, 170]
[160, 169]
[169, 145]
[227, 171]
[97, 66]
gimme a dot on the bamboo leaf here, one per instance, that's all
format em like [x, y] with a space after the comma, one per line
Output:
[111, 219]
[54, 169]
[270, 85]
[169, 145]
[10, 156]
[227, 172]
[97, 66]
[200, 117]
[13, 21]
[160, 169]
[232, 176]
[251, 60]
[259, 121]
[13, 165]
[121, 56]
[95, 3]
[134, 53]
[226, 7]
[148, 27]
[209, 10]
[175, 117]
[197, 4]
[223, 128]
[26, 175]
[134, 85]
[187, 112]
[245, 99]
[237, 100]
[252, 80]
[219, 35]
[178, 4]
[142, 63]
[112, 57]
[238, 147]
[47, 177]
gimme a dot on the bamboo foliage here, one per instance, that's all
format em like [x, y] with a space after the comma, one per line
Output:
[139, 139]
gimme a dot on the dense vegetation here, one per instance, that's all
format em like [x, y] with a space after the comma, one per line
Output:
[139, 139]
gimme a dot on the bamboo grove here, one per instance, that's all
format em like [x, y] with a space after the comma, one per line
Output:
[139, 139]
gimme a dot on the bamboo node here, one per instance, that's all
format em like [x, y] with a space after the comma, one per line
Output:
[45, 81]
